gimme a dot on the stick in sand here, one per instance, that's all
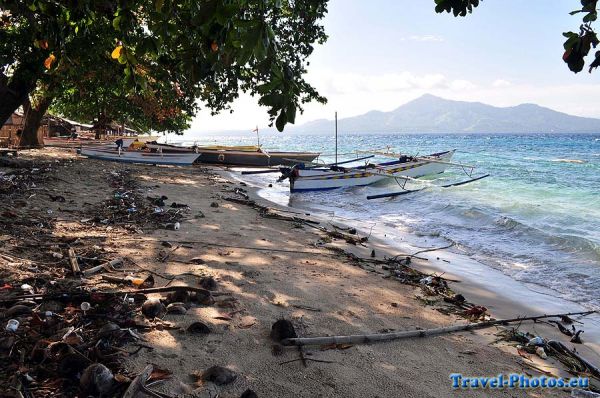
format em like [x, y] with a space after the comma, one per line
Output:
[371, 338]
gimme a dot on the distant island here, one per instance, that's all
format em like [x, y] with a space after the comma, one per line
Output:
[431, 114]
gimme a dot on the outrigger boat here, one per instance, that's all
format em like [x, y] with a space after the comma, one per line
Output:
[237, 155]
[406, 168]
[136, 156]
[319, 179]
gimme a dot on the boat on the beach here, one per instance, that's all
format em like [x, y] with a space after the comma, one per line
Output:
[405, 167]
[137, 156]
[237, 155]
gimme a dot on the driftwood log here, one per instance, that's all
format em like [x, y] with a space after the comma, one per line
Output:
[87, 295]
[137, 386]
[377, 337]
[108, 266]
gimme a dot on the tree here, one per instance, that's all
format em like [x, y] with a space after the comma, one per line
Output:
[577, 45]
[208, 49]
[100, 95]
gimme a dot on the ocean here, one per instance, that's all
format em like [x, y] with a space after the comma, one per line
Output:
[536, 218]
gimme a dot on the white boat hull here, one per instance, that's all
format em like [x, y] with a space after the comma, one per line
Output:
[318, 180]
[124, 156]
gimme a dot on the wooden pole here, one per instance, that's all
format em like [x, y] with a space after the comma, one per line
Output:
[370, 338]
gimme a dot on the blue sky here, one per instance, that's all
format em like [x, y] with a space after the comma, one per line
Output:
[383, 53]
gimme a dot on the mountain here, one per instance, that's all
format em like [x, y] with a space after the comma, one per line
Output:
[431, 114]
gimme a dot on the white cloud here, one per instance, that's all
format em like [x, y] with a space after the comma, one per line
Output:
[354, 83]
[501, 83]
[461, 85]
[434, 38]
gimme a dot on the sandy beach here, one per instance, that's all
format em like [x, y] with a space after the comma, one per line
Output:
[268, 269]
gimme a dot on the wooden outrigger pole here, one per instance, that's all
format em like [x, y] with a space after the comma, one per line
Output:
[394, 194]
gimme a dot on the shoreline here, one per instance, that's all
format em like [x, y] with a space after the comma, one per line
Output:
[481, 284]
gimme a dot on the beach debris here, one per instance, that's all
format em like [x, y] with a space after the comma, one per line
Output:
[178, 296]
[475, 312]
[455, 299]
[536, 341]
[157, 201]
[153, 308]
[248, 394]
[198, 328]
[176, 309]
[197, 260]
[373, 253]
[203, 298]
[566, 319]
[208, 282]
[282, 329]
[576, 339]
[564, 330]
[575, 362]
[138, 387]
[541, 353]
[218, 375]
[214, 204]
[12, 325]
[576, 393]
[97, 380]
[336, 347]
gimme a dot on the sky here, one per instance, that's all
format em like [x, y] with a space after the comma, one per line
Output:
[383, 53]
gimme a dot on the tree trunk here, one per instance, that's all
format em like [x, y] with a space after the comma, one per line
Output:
[33, 118]
[13, 93]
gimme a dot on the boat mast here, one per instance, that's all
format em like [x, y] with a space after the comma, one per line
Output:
[257, 136]
[336, 134]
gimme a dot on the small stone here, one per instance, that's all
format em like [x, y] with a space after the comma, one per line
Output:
[198, 328]
[214, 204]
[248, 394]
[218, 375]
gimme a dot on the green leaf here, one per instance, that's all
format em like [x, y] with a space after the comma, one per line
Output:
[281, 121]
[117, 22]
[158, 5]
[274, 100]
[290, 111]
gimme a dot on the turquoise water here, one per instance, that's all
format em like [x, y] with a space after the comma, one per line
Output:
[537, 218]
